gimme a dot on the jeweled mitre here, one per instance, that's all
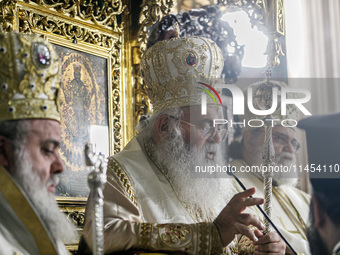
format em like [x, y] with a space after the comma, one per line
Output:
[29, 78]
[173, 71]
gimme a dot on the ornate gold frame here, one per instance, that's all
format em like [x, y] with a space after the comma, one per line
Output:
[74, 208]
[76, 21]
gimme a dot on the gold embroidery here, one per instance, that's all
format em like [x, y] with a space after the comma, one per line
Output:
[216, 244]
[175, 235]
[203, 232]
[145, 235]
[231, 248]
[284, 226]
[170, 68]
[245, 246]
[295, 218]
[122, 179]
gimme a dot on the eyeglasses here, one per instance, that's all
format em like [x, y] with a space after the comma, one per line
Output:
[283, 140]
[205, 131]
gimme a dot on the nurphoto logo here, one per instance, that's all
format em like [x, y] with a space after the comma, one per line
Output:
[238, 104]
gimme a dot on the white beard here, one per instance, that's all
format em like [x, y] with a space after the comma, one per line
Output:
[44, 202]
[203, 197]
[279, 178]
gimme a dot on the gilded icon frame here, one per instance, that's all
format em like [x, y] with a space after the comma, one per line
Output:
[94, 98]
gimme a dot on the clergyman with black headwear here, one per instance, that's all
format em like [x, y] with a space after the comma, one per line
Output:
[323, 141]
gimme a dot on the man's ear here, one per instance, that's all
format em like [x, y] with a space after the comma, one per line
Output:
[162, 125]
[319, 213]
[6, 150]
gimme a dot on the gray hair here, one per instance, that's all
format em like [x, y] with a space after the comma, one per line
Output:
[15, 131]
[146, 125]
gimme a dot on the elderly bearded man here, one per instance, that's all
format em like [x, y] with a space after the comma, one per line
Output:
[152, 201]
[290, 206]
[30, 221]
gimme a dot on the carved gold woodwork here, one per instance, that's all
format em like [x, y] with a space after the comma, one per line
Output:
[151, 12]
[7, 17]
[100, 13]
[268, 16]
[74, 208]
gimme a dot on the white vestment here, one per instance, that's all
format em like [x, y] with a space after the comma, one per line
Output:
[143, 212]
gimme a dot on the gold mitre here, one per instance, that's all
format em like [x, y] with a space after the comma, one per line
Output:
[173, 68]
[262, 100]
[29, 78]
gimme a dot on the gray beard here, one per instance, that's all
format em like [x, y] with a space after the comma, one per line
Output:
[59, 226]
[203, 197]
[279, 178]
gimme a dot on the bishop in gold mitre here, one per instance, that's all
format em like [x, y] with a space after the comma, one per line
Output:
[30, 220]
[154, 201]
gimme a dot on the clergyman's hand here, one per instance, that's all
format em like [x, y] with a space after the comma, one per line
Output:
[232, 221]
[270, 243]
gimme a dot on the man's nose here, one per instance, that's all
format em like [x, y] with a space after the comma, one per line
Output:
[57, 166]
[289, 148]
[215, 137]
